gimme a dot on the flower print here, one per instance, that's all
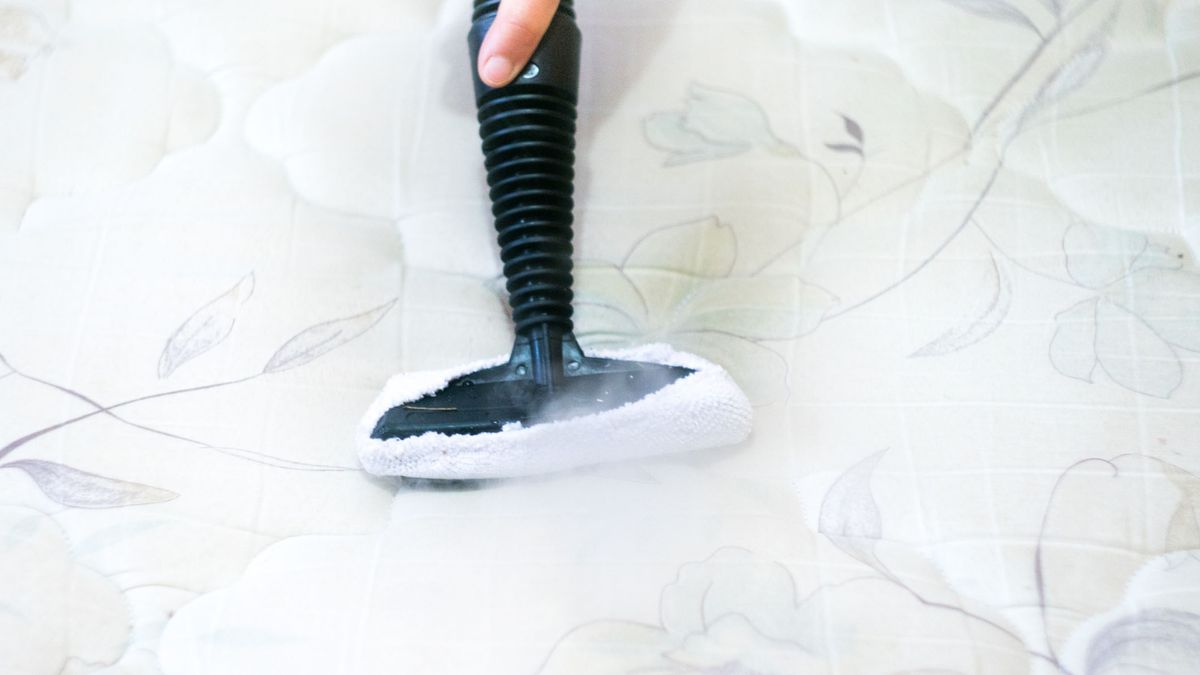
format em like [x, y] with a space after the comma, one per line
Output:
[713, 124]
[58, 610]
[735, 612]
[1154, 629]
[677, 286]
[740, 613]
[142, 105]
[1145, 309]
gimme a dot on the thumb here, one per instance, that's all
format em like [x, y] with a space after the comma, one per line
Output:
[516, 32]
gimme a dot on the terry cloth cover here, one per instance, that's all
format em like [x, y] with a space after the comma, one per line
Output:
[702, 410]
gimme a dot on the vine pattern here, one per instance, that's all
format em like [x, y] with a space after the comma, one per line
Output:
[203, 331]
[1132, 327]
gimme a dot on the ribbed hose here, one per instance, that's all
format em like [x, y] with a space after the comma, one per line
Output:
[528, 133]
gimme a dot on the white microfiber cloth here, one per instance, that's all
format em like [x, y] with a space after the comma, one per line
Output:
[702, 410]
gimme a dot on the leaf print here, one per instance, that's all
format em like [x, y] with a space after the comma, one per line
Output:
[1071, 75]
[733, 583]
[1133, 355]
[735, 612]
[854, 129]
[1096, 256]
[739, 613]
[206, 328]
[703, 248]
[599, 324]
[713, 124]
[675, 287]
[1167, 300]
[1183, 530]
[761, 372]
[732, 644]
[850, 516]
[845, 147]
[1001, 10]
[81, 489]
[612, 315]
[759, 307]
[981, 322]
[606, 299]
[726, 117]
[1156, 640]
[316, 341]
[664, 294]
[668, 131]
[1073, 347]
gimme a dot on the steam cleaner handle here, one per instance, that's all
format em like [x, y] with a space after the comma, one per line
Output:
[528, 132]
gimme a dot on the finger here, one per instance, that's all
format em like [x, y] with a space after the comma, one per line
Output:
[516, 32]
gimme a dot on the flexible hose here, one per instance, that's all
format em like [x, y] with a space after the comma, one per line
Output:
[528, 132]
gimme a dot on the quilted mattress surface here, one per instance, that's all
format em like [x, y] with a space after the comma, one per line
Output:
[946, 246]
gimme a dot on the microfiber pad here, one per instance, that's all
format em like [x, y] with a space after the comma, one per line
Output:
[702, 410]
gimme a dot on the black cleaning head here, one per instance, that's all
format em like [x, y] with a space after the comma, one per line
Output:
[487, 401]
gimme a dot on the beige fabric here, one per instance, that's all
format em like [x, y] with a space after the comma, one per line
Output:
[946, 246]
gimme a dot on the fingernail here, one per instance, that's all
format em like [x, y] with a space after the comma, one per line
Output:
[497, 70]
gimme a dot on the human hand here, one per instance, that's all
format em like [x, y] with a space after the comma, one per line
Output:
[516, 32]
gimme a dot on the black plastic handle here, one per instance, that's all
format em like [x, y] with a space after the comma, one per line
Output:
[554, 64]
[528, 132]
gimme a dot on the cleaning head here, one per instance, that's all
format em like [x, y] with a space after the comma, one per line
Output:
[548, 406]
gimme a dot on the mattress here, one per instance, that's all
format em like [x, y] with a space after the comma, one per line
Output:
[946, 246]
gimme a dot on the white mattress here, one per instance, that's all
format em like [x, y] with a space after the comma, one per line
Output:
[946, 246]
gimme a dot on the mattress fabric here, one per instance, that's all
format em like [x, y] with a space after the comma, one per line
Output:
[946, 246]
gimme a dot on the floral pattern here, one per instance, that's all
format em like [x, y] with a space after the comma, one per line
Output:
[714, 124]
[738, 612]
[677, 285]
[57, 615]
[1145, 312]
[1150, 630]
[144, 106]
[947, 247]
[202, 331]
[733, 612]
